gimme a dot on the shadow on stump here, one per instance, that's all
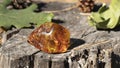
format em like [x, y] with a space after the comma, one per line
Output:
[115, 61]
[75, 43]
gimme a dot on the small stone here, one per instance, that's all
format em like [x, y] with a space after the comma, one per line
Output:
[51, 38]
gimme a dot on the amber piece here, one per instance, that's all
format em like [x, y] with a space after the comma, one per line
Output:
[51, 38]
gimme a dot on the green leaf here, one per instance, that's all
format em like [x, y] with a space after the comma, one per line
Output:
[22, 18]
[106, 17]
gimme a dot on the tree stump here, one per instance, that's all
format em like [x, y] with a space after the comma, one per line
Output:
[90, 48]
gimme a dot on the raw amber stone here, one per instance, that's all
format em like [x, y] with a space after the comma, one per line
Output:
[51, 38]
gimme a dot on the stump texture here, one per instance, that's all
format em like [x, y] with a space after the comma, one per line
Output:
[90, 48]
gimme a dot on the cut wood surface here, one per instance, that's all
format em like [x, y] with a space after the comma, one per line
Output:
[90, 48]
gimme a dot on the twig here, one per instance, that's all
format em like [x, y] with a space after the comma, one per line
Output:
[66, 9]
[87, 14]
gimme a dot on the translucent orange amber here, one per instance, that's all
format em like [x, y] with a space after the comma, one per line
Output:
[51, 38]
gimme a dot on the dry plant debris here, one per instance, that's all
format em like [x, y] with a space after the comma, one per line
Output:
[86, 5]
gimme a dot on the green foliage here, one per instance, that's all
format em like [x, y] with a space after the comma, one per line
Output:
[22, 18]
[106, 17]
